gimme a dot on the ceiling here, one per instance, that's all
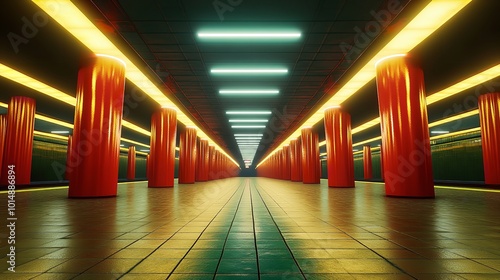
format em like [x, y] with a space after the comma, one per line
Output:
[160, 36]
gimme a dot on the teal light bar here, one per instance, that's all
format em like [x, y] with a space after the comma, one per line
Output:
[248, 121]
[249, 92]
[249, 71]
[249, 35]
[248, 112]
[248, 126]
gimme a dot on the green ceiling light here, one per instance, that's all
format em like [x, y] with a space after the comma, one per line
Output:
[439, 131]
[250, 35]
[248, 126]
[249, 92]
[255, 71]
[60, 132]
[248, 112]
[249, 121]
[248, 138]
[251, 135]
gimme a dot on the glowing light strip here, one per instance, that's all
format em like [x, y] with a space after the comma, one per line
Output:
[445, 187]
[476, 129]
[50, 135]
[230, 91]
[249, 71]
[454, 118]
[249, 35]
[75, 22]
[428, 20]
[367, 141]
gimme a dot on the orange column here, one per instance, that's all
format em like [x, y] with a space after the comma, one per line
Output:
[18, 149]
[3, 130]
[367, 162]
[286, 162]
[211, 163]
[162, 151]
[202, 161]
[310, 157]
[340, 161]
[131, 163]
[489, 115]
[404, 128]
[187, 156]
[293, 162]
[97, 127]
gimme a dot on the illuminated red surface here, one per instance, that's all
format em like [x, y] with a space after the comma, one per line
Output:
[187, 156]
[202, 161]
[404, 128]
[310, 157]
[162, 151]
[19, 139]
[339, 156]
[489, 115]
[97, 128]
[131, 163]
[367, 163]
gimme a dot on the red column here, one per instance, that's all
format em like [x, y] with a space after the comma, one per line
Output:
[340, 161]
[310, 157]
[404, 128]
[489, 115]
[286, 162]
[19, 140]
[97, 127]
[298, 158]
[381, 165]
[148, 167]
[293, 162]
[162, 151]
[131, 163]
[68, 170]
[3, 130]
[202, 161]
[367, 162]
[187, 156]
[211, 163]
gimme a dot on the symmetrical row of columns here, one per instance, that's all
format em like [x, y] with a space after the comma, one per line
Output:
[95, 145]
[405, 151]
[94, 148]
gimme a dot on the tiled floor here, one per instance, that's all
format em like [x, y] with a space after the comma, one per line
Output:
[247, 228]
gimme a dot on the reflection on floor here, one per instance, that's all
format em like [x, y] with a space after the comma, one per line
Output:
[248, 228]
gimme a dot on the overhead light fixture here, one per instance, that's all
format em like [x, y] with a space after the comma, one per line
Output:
[249, 121]
[60, 131]
[249, 35]
[248, 71]
[239, 134]
[248, 112]
[248, 92]
[439, 131]
[121, 145]
[248, 138]
[248, 126]
[415, 32]
[144, 150]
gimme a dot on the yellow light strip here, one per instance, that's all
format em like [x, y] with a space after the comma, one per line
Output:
[76, 23]
[51, 135]
[36, 85]
[454, 118]
[32, 83]
[367, 141]
[59, 188]
[444, 187]
[476, 129]
[428, 20]
[457, 88]
[134, 142]
[470, 82]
